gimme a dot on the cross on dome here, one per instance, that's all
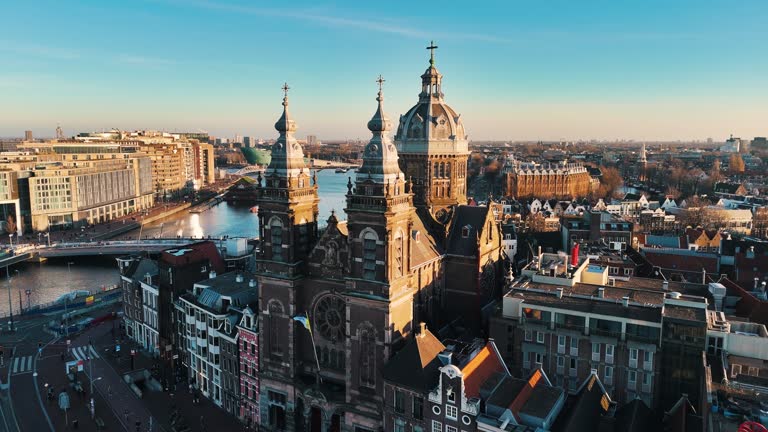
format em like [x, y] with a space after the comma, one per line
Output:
[432, 47]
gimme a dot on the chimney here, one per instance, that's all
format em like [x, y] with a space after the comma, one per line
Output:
[703, 275]
[559, 292]
[575, 255]
[601, 292]
[212, 274]
[756, 282]
[539, 251]
[625, 301]
[445, 357]
[422, 330]
[665, 285]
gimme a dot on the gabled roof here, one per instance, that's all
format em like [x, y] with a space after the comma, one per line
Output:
[194, 253]
[475, 219]
[481, 368]
[416, 365]
[139, 268]
[685, 262]
[682, 417]
[586, 408]
[635, 416]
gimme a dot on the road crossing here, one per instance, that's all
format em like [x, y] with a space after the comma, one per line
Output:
[20, 365]
[84, 352]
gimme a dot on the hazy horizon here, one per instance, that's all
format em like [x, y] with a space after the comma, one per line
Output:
[515, 71]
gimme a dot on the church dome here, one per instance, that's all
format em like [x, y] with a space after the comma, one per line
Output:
[431, 126]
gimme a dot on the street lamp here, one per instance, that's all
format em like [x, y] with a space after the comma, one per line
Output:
[10, 303]
[66, 300]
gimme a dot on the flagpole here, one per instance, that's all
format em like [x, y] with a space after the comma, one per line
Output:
[314, 348]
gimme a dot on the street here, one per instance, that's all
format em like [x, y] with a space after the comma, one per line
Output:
[36, 374]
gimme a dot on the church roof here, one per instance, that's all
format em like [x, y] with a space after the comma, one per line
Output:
[431, 126]
[425, 248]
[416, 366]
[473, 218]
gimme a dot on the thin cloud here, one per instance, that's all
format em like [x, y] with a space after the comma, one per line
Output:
[27, 49]
[143, 61]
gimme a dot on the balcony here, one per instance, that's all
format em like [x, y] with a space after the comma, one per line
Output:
[648, 366]
[526, 365]
[608, 380]
[574, 351]
[560, 349]
[646, 388]
[609, 358]
[633, 363]
[631, 385]
[573, 372]
[595, 356]
[560, 370]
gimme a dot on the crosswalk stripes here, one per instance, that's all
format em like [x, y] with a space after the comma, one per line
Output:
[21, 365]
[84, 352]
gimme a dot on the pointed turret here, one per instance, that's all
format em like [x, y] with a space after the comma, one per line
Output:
[287, 155]
[380, 157]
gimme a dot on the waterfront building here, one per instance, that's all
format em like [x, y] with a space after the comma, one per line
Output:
[409, 252]
[64, 194]
[205, 170]
[210, 313]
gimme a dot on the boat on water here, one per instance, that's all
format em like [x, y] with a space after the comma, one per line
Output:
[341, 170]
[72, 296]
[254, 209]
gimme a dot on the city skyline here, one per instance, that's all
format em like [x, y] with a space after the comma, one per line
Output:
[533, 72]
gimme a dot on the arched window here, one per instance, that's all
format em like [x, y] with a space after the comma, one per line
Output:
[369, 255]
[442, 169]
[276, 237]
[275, 315]
[367, 340]
[436, 172]
[399, 254]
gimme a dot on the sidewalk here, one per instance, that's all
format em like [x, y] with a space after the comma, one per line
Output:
[159, 404]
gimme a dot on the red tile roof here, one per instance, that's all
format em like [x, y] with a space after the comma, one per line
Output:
[482, 367]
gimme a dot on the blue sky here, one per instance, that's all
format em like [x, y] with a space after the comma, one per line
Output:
[516, 70]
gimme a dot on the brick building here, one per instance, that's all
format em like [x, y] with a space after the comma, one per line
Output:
[570, 317]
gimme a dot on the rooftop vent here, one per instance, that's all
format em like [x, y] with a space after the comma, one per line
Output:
[675, 295]
[559, 292]
[625, 301]
[601, 292]
[665, 285]
[252, 283]
[212, 274]
[239, 278]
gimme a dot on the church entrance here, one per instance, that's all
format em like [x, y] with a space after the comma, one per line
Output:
[316, 420]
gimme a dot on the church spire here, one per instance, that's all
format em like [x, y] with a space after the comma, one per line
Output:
[380, 157]
[287, 155]
[431, 79]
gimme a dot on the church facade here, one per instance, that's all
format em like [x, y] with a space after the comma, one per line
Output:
[366, 283]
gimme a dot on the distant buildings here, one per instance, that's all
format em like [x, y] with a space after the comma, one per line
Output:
[98, 176]
[311, 140]
[559, 180]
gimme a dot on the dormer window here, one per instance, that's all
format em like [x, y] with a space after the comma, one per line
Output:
[465, 231]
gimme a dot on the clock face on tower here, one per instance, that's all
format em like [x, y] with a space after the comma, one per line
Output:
[329, 318]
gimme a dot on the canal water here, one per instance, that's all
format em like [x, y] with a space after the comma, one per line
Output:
[46, 282]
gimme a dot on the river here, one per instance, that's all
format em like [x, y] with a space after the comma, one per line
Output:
[48, 281]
